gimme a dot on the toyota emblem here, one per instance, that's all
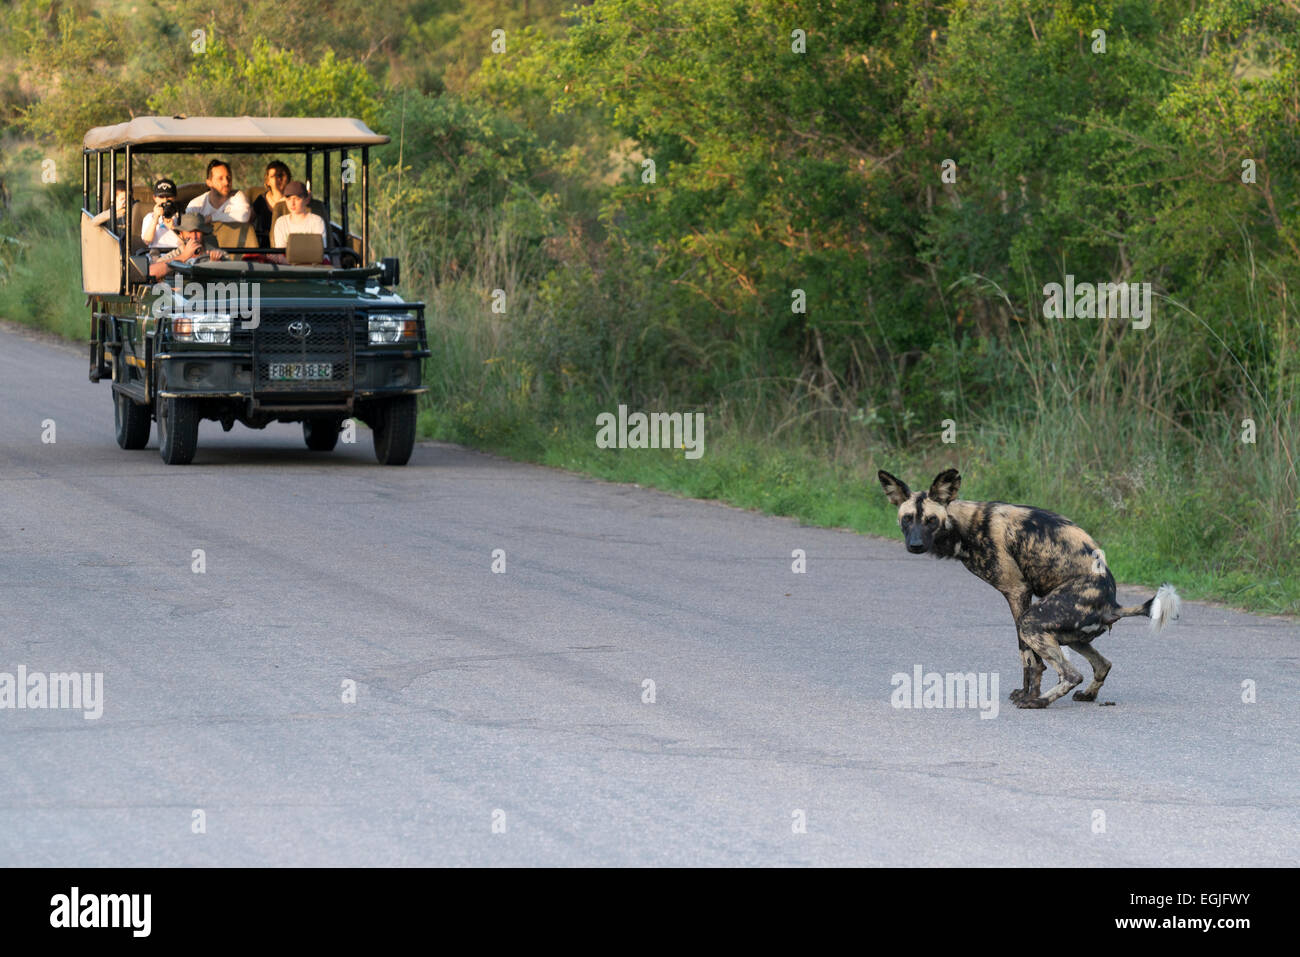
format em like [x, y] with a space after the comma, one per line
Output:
[299, 329]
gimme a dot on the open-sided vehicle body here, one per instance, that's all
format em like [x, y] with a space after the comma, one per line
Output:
[245, 339]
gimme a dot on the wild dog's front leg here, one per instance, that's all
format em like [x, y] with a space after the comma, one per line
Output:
[1020, 599]
[1033, 674]
[1044, 643]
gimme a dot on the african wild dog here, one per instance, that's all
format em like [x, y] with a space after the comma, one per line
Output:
[1028, 553]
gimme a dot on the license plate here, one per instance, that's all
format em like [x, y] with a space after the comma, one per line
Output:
[296, 371]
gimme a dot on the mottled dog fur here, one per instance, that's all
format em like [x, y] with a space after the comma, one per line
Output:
[1027, 553]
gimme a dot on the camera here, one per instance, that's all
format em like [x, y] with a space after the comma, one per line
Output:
[168, 208]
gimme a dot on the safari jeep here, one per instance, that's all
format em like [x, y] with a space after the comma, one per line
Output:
[304, 333]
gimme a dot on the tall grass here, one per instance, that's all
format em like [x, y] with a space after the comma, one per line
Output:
[1118, 429]
[481, 385]
[40, 250]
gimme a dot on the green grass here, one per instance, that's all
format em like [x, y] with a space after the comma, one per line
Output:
[40, 250]
[40, 286]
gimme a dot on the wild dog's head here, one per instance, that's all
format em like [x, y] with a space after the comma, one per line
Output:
[921, 514]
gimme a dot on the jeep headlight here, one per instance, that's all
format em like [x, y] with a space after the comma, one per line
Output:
[392, 328]
[210, 327]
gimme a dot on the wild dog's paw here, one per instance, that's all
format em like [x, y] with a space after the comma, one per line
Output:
[1085, 696]
[1032, 703]
[1017, 695]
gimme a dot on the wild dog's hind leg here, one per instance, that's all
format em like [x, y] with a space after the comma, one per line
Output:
[1100, 669]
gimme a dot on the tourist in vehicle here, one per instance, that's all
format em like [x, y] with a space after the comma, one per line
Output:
[119, 204]
[277, 177]
[220, 202]
[197, 244]
[159, 227]
[299, 218]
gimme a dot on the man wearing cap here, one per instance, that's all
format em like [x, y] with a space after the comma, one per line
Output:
[159, 227]
[196, 245]
[299, 219]
[220, 203]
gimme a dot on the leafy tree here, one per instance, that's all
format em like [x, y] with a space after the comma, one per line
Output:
[268, 81]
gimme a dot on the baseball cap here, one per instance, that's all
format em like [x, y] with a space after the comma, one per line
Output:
[165, 187]
[296, 188]
[191, 221]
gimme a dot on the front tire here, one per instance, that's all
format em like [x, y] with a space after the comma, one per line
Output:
[394, 429]
[131, 422]
[178, 430]
[321, 435]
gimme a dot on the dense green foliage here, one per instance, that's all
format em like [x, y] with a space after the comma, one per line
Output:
[739, 205]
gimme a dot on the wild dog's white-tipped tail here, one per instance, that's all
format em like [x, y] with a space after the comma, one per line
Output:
[1165, 607]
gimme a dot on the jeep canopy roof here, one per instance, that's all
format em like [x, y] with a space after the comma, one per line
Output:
[231, 134]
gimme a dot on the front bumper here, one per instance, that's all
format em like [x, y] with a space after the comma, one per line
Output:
[210, 374]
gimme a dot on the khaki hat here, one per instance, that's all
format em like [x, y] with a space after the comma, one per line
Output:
[192, 221]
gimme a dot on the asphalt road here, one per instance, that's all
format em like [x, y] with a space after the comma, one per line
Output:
[517, 699]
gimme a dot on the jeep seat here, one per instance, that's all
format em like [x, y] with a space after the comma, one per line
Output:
[233, 234]
[139, 210]
[187, 191]
[305, 249]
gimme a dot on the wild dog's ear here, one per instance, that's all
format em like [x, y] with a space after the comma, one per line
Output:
[895, 488]
[944, 488]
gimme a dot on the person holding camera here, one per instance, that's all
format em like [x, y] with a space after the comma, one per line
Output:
[196, 245]
[160, 229]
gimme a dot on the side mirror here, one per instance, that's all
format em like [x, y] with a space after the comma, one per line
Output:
[392, 271]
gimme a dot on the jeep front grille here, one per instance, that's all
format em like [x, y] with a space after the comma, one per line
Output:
[304, 337]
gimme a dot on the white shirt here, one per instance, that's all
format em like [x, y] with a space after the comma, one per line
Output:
[311, 223]
[234, 210]
[163, 237]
